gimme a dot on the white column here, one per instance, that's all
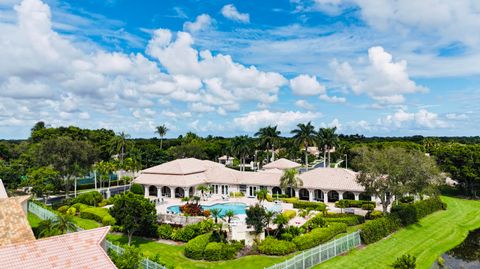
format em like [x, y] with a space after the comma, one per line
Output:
[340, 195]
[186, 192]
[146, 190]
[159, 192]
[357, 196]
[297, 193]
[373, 198]
[310, 195]
[325, 196]
[172, 192]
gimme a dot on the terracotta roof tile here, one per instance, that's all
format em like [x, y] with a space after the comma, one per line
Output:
[14, 226]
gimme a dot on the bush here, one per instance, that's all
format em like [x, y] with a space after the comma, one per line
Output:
[192, 209]
[195, 247]
[103, 203]
[407, 199]
[286, 236]
[375, 214]
[319, 236]
[289, 213]
[354, 203]
[63, 209]
[428, 206]
[405, 262]
[237, 194]
[213, 251]
[80, 207]
[289, 200]
[406, 213]
[89, 198]
[137, 189]
[191, 231]
[412, 213]
[165, 231]
[376, 229]
[108, 220]
[319, 206]
[71, 211]
[349, 219]
[316, 222]
[269, 198]
[94, 213]
[272, 246]
[368, 207]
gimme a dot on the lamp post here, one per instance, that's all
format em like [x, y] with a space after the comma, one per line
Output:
[346, 161]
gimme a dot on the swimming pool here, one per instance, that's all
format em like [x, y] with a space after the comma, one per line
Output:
[237, 208]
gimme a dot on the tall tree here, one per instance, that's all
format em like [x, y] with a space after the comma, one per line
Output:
[119, 145]
[304, 136]
[241, 146]
[268, 137]
[161, 130]
[290, 180]
[43, 180]
[327, 140]
[256, 218]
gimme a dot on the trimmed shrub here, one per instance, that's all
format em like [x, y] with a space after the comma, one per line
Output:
[63, 209]
[319, 206]
[108, 220]
[165, 231]
[406, 213]
[213, 251]
[190, 231]
[71, 211]
[80, 207]
[103, 203]
[428, 206]
[289, 200]
[289, 213]
[94, 213]
[405, 262]
[353, 203]
[368, 207]
[349, 219]
[89, 198]
[237, 194]
[407, 199]
[269, 198]
[316, 222]
[286, 236]
[319, 236]
[195, 247]
[137, 189]
[375, 214]
[272, 246]
[376, 229]
[412, 213]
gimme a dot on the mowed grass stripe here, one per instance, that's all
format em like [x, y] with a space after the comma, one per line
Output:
[427, 240]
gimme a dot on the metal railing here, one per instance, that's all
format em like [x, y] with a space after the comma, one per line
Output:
[309, 258]
[44, 214]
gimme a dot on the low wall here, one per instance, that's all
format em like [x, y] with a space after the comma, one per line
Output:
[178, 219]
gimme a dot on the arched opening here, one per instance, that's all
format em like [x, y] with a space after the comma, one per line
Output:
[318, 195]
[166, 192]
[332, 196]
[276, 190]
[348, 195]
[365, 196]
[290, 192]
[191, 191]
[304, 194]
[179, 192]
[152, 191]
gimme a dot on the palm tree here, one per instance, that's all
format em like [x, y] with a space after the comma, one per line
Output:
[262, 195]
[64, 223]
[46, 228]
[327, 139]
[104, 169]
[203, 189]
[304, 136]
[215, 213]
[161, 130]
[229, 214]
[281, 221]
[268, 219]
[119, 145]
[241, 146]
[268, 136]
[290, 180]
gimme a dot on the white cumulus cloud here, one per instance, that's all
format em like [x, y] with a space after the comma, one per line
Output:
[230, 12]
[201, 22]
[284, 120]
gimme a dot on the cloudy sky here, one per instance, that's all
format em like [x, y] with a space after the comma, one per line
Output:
[372, 67]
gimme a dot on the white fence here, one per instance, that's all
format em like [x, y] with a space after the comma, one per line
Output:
[316, 255]
[47, 214]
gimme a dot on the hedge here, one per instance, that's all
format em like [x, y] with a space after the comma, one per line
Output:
[376, 229]
[80, 207]
[63, 209]
[137, 189]
[165, 231]
[289, 213]
[237, 194]
[72, 211]
[349, 219]
[319, 206]
[316, 222]
[216, 251]
[319, 236]
[191, 231]
[195, 247]
[272, 246]
[108, 220]
[354, 203]
[89, 198]
[94, 213]
[412, 213]
[289, 200]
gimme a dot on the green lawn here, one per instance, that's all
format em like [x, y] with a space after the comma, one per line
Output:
[173, 257]
[431, 237]
[85, 224]
[33, 220]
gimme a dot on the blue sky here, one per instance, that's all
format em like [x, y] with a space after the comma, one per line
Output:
[384, 68]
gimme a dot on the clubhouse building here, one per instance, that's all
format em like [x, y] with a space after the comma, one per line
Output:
[181, 178]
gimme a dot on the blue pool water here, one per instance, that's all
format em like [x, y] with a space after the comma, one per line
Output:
[238, 208]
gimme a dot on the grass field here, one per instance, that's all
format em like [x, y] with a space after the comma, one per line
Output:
[85, 224]
[173, 257]
[33, 220]
[431, 237]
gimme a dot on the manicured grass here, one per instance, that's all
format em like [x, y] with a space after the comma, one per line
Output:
[85, 224]
[173, 257]
[33, 220]
[431, 237]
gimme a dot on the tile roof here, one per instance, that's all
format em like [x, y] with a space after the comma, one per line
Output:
[3, 192]
[14, 226]
[282, 163]
[331, 179]
[69, 251]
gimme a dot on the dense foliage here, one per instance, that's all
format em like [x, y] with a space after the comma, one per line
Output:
[376, 229]
[212, 248]
[272, 246]
[319, 236]
[319, 206]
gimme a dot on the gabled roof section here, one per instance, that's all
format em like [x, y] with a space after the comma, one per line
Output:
[14, 226]
[3, 192]
[178, 167]
[70, 251]
[282, 164]
[331, 179]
